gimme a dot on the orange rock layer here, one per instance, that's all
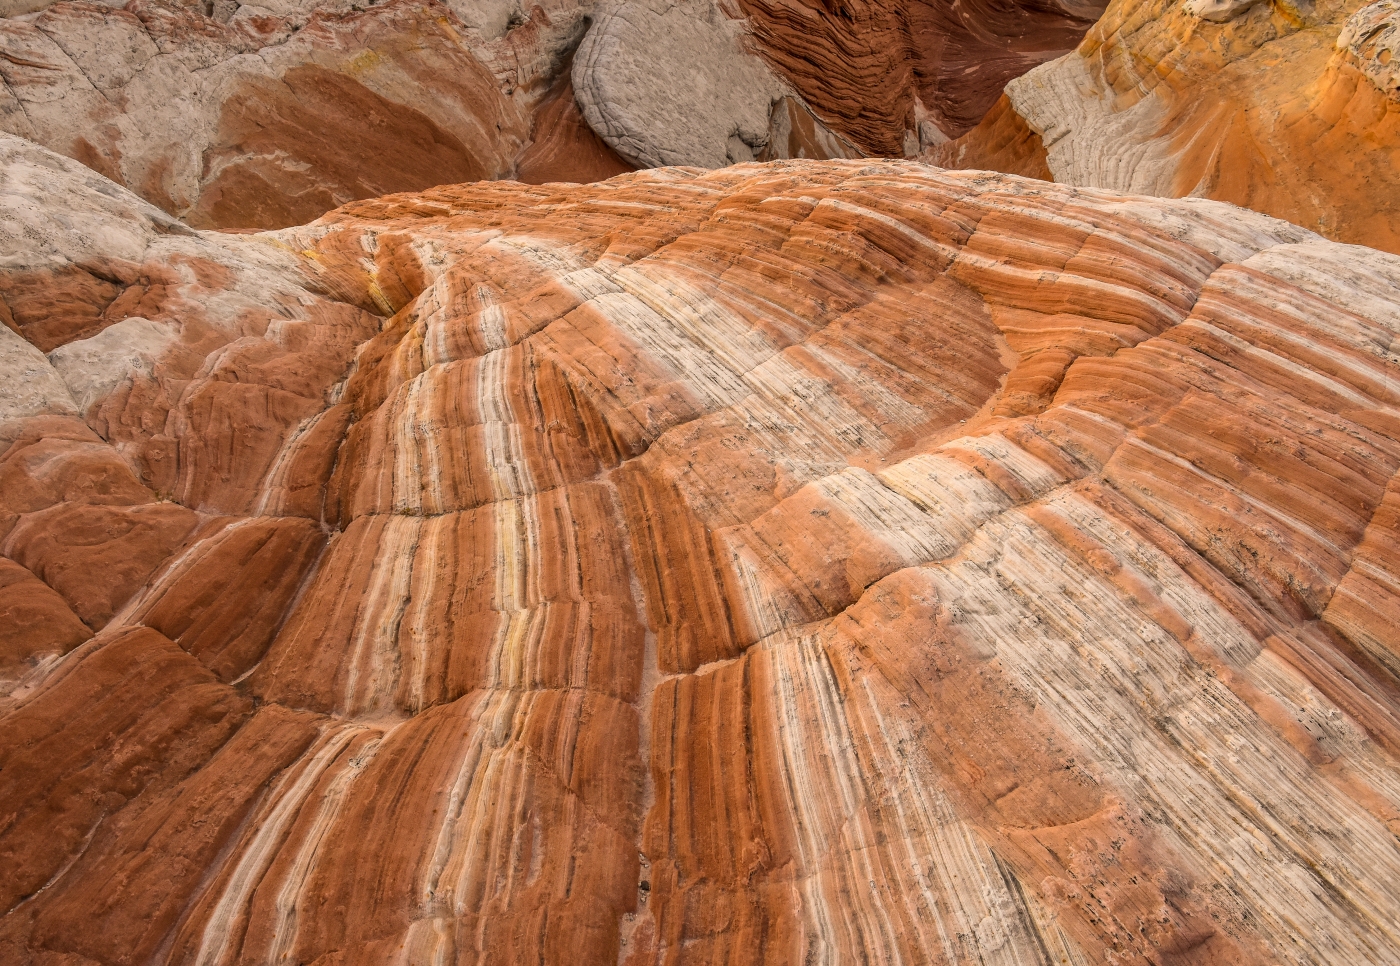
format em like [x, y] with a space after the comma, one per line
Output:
[1289, 109]
[801, 562]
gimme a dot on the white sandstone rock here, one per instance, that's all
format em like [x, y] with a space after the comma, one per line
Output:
[1088, 142]
[56, 211]
[32, 387]
[1372, 37]
[1219, 11]
[92, 368]
[665, 82]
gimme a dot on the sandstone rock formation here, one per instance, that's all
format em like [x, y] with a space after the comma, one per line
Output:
[792, 563]
[1288, 108]
[669, 83]
[263, 115]
[897, 76]
[666, 82]
[250, 116]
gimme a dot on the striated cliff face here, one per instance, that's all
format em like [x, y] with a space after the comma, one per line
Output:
[845, 562]
[895, 76]
[1288, 108]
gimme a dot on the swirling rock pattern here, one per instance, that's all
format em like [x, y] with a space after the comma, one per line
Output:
[802, 562]
[1290, 109]
[897, 76]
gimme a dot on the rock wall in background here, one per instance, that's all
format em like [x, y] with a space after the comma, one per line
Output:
[242, 116]
[897, 76]
[251, 117]
[810, 562]
[1290, 109]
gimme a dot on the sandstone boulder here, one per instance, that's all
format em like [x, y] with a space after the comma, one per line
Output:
[667, 82]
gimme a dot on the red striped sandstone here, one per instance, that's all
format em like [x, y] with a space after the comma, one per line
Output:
[793, 563]
[893, 76]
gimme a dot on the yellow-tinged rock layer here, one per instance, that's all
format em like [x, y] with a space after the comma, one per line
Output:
[1288, 108]
[797, 563]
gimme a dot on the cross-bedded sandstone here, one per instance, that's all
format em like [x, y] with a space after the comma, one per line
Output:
[797, 562]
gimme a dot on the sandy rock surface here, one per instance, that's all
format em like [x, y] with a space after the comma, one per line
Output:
[806, 562]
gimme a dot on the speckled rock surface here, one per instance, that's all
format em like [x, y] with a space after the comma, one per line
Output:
[803, 562]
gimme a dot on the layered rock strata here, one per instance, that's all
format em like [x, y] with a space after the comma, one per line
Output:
[1290, 109]
[897, 77]
[791, 563]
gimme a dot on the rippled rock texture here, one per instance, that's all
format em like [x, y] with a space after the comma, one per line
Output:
[807, 562]
[1288, 108]
[895, 75]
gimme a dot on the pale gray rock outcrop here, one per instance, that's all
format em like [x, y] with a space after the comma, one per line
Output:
[666, 82]
[32, 386]
[92, 368]
[1372, 37]
[1219, 11]
[58, 212]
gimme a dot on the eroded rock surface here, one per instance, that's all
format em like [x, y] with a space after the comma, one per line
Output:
[896, 76]
[261, 116]
[805, 562]
[1288, 108]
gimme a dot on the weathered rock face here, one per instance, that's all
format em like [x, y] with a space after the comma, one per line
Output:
[666, 82]
[670, 83]
[1290, 109]
[792, 563]
[245, 116]
[241, 115]
[895, 76]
